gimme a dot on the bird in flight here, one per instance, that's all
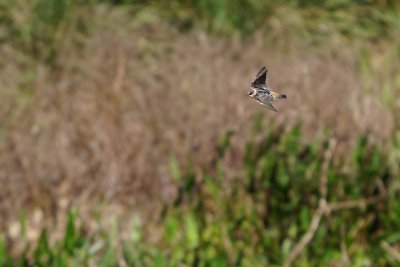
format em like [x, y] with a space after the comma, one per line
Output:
[262, 93]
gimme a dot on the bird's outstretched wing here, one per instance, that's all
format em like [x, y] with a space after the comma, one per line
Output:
[269, 106]
[261, 77]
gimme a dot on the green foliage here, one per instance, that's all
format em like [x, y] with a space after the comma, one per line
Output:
[257, 219]
[72, 239]
[369, 20]
[46, 23]
[43, 26]
[174, 168]
[3, 252]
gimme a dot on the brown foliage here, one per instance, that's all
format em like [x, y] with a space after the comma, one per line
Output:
[102, 125]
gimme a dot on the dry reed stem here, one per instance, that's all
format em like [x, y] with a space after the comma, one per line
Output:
[325, 208]
[102, 127]
[360, 204]
[316, 219]
[343, 247]
[391, 251]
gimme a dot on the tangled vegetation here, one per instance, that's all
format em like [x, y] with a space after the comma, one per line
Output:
[121, 147]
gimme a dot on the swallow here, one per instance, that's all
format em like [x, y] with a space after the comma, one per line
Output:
[262, 93]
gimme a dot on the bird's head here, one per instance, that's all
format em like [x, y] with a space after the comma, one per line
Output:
[252, 92]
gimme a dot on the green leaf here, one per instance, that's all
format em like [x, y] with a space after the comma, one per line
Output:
[136, 234]
[159, 260]
[219, 262]
[174, 169]
[2, 251]
[283, 178]
[70, 238]
[42, 253]
[224, 143]
[192, 231]
[392, 238]
[171, 228]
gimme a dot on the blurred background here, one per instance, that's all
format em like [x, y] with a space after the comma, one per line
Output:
[127, 137]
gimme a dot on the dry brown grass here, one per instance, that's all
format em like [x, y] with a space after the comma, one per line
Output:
[101, 127]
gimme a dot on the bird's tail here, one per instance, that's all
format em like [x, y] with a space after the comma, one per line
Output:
[283, 96]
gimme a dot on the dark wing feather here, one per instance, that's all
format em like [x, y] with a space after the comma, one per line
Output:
[261, 77]
[263, 87]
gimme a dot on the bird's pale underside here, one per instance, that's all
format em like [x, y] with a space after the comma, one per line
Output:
[261, 92]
